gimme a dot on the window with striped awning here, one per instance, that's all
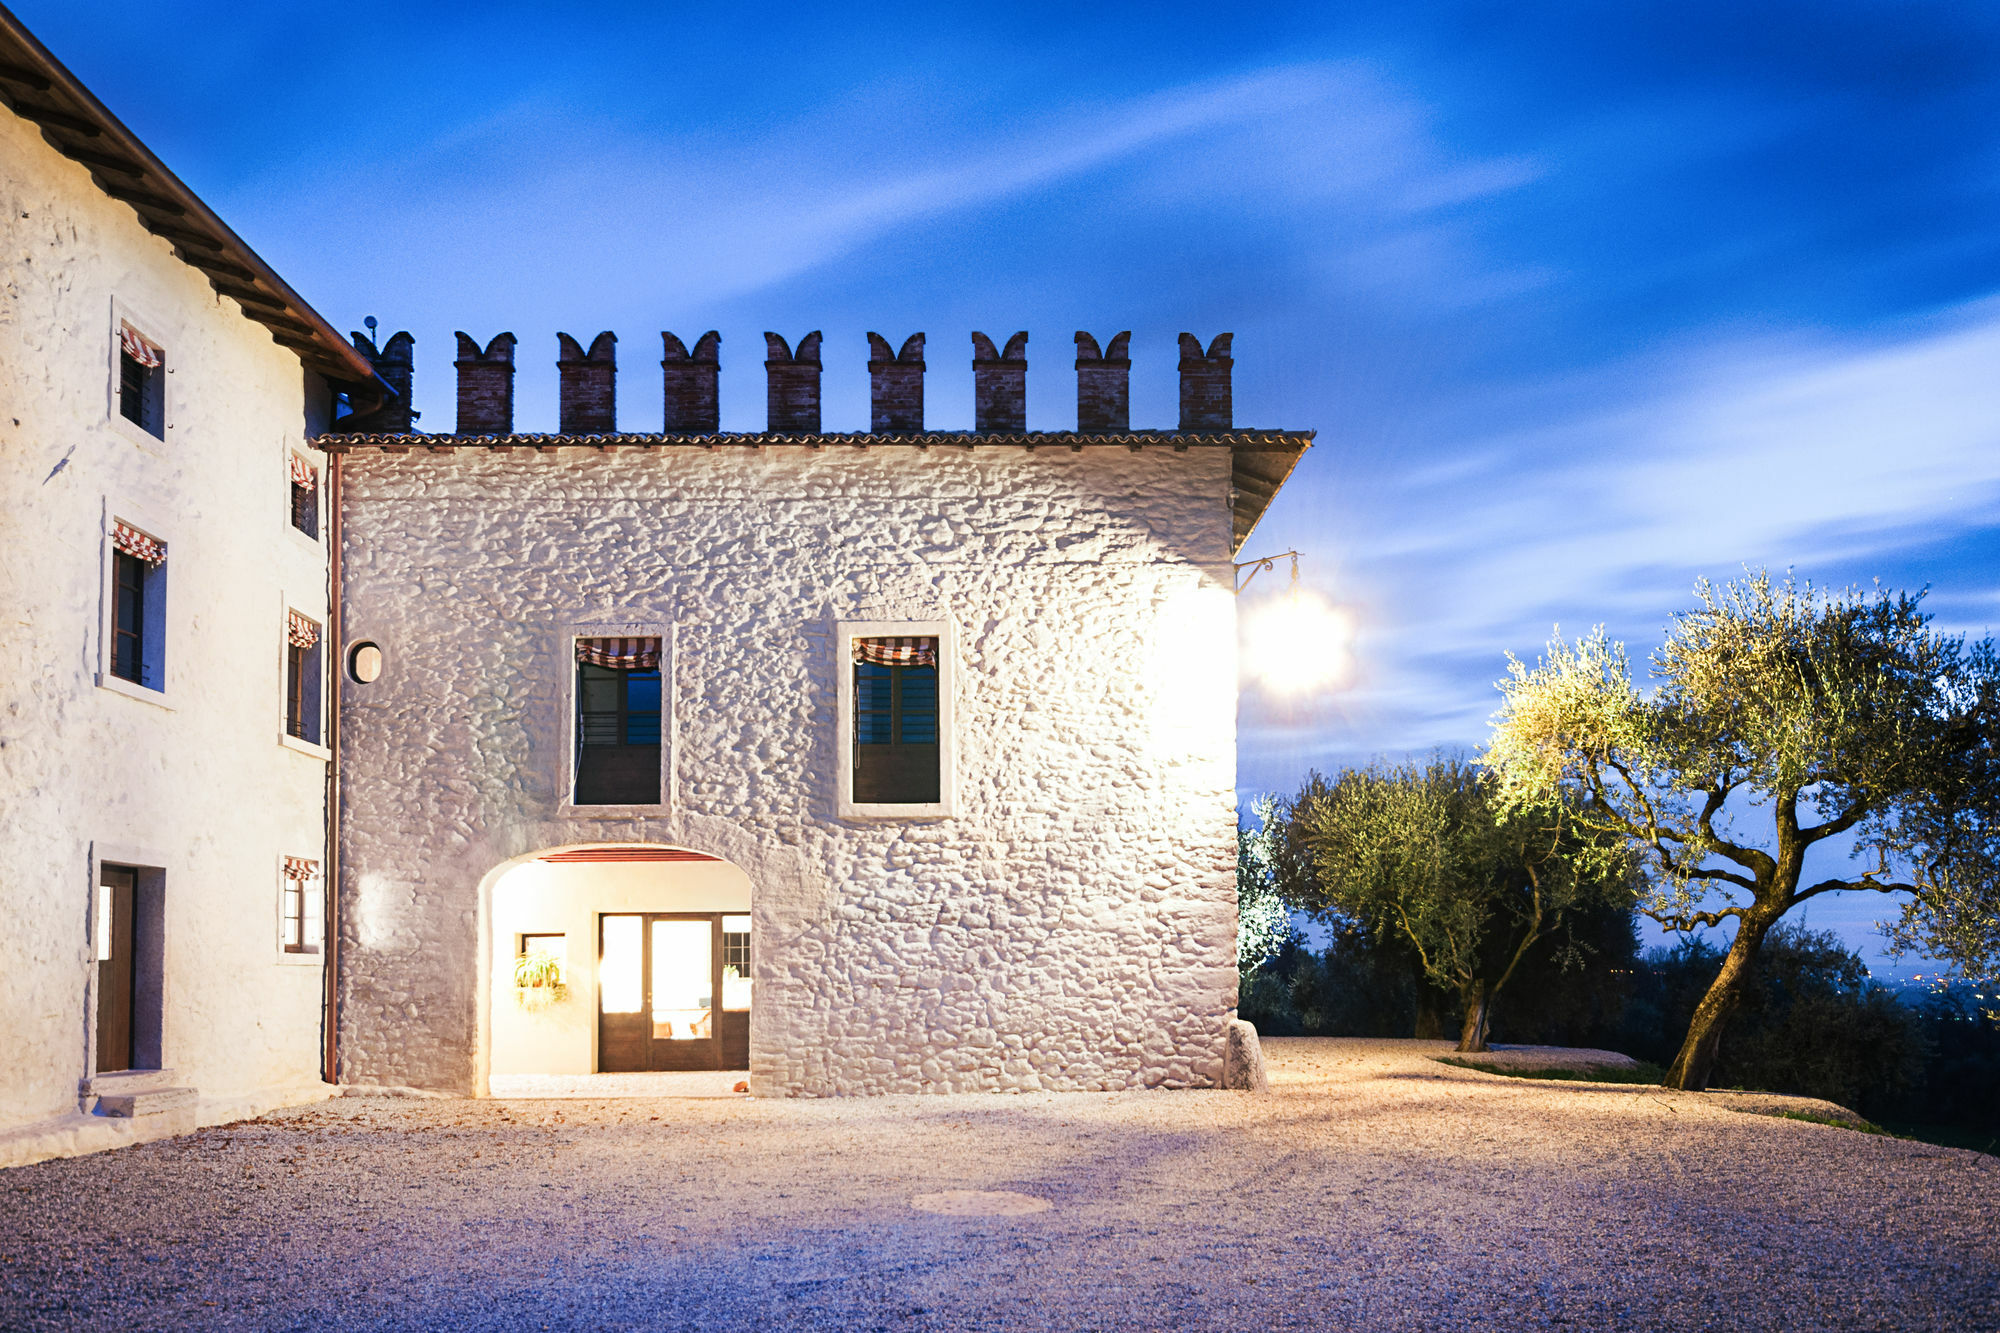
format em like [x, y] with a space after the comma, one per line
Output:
[138, 348]
[639, 653]
[896, 652]
[302, 472]
[302, 911]
[300, 631]
[137, 544]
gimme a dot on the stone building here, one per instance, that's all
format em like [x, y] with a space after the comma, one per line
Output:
[884, 761]
[934, 730]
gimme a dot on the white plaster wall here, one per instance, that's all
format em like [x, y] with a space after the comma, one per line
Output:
[201, 787]
[541, 897]
[1072, 926]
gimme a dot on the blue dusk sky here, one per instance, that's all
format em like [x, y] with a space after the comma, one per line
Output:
[1585, 301]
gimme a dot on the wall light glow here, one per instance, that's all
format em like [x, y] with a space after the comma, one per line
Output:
[1295, 642]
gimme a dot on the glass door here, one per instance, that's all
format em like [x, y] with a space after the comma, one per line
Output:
[665, 999]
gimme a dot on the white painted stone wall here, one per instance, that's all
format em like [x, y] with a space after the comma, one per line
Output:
[1072, 926]
[200, 786]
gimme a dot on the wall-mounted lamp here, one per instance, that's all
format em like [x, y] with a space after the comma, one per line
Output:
[1296, 642]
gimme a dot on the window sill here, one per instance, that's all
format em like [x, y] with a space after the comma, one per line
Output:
[568, 811]
[876, 810]
[291, 742]
[137, 434]
[144, 694]
[299, 541]
[286, 959]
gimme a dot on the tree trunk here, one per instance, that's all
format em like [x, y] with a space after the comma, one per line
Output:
[1430, 1022]
[1478, 1004]
[1697, 1055]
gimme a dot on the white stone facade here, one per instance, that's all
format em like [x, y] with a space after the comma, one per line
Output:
[190, 783]
[1070, 924]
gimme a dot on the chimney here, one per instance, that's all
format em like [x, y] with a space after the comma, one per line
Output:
[1103, 385]
[1000, 384]
[1205, 383]
[587, 397]
[792, 402]
[690, 385]
[896, 386]
[393, 364]
[486, 386]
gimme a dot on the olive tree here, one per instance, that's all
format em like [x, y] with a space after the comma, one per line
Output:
[1782, 716]
[1263, 919]
[1429, 856]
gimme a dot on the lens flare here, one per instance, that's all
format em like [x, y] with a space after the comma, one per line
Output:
[1296, 642]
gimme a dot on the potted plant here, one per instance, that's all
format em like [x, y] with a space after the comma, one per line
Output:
[538, 980]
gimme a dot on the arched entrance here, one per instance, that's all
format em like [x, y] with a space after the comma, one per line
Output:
[618, 959]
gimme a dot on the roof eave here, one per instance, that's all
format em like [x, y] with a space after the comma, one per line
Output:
[39, 88]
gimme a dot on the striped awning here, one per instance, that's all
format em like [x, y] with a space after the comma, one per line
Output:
[300, 631]
[621, 654]
[298, 867]
[138, 348]
[303, 474]
[896, 652]
[137, 544]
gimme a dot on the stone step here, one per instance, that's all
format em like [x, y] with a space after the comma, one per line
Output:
[151, 1101]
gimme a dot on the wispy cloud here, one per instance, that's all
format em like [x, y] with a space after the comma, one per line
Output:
[1814, 452]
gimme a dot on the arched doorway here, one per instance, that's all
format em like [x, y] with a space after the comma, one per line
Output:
[619, 959]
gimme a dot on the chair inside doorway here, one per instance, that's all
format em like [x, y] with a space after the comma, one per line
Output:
[673, 991]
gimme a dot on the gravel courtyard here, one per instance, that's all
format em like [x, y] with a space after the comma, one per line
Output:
[1374, 1189]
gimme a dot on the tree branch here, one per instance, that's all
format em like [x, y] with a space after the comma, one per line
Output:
[1689, 920]
[1866, 883]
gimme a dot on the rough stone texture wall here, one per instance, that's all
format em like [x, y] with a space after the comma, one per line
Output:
[202, 783]
[895, 385]
[1103, 385]
[1000, 384]
[486, 386]
[691, 407]
[792, 389]
[1073, 926]
[1205, 395]
[587, 385]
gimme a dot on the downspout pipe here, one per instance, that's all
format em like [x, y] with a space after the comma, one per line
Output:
[330, 883]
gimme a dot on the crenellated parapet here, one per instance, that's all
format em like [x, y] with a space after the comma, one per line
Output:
[1205, 393]
[587, 394]
[689, 381]
[394, 362]
[691, 377]
[486, 386]
[1000, 384]
[1103, 384]
[792, 393]
[895, 385]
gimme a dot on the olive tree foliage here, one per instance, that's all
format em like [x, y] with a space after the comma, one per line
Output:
[1430, 856]
[1263, 918]
[1783, 716]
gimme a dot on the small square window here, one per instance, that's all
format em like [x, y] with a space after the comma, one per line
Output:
[142, 381]
[303, 654]
[302, 907]
[138, 611]
[304, 489]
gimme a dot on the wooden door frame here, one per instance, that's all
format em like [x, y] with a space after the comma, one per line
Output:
[646, 920]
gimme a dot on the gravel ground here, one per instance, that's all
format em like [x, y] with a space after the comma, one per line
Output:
[1375, 1188]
